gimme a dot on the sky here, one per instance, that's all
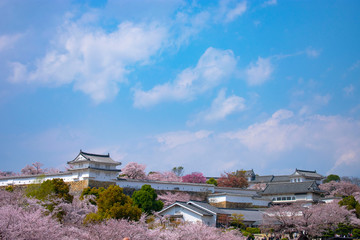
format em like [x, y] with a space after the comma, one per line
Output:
[213, 86]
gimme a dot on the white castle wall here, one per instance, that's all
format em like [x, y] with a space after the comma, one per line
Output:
[158, 185]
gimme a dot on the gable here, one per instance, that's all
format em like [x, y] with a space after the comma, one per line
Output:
[79, 158]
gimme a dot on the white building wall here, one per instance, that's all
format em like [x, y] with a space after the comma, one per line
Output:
[238, 199]
[190, 216]
[34, 179]
[157, 185]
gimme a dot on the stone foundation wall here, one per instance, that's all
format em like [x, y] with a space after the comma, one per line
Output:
[78, 187]
[97, 184]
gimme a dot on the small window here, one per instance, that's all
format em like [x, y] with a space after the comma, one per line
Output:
[283, 198]
[293, 198]
[288, 198]
[278, 198]
[274, 199]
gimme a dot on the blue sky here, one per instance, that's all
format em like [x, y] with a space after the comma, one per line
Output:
[212, 86]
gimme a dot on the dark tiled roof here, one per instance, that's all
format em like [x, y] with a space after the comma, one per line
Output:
[249, 173]
[263, 179]
[190, 207]
[287, 188]
[305, 173]
[249, 215]
[283, 178]
[96, 158]
[206, 206]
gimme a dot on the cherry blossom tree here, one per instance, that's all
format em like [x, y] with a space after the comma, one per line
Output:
[134, 170]
[25, 218]
[164, 176]
[312, 220]
[28, 170]
[195, 177]
[235, 179]
[340, 189]
[169, 198]
[6, 174]
[258, 186]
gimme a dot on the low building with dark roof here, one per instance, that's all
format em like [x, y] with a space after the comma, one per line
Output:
[308, 191]
[194, 211]
[305, 175]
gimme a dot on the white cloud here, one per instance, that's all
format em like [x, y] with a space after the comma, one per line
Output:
[280, 142]
[8, 41]
[321, 99]
[269, 3]
[229, 10]
[213, 67]
[355, 66]
[239, 10]
[94, 60]
[221, 107]
[313, 53]
[259, 72]
[270, 136]
[349, 90]
[174, 139]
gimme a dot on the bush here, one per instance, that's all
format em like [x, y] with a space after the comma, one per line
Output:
[253, 230]
[113, 203]
[356, 233]
[145, 199]
[55, 188]
[9, 188]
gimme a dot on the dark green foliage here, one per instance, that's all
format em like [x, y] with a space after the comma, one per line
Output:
[343, 229]
[332, 177]
[356, 233]
[50, 189]
[253, 230]
[113, 203]
[92, 192]
[237, 221]
[212, 181]
[9, 188]
[145, 198]
[351, 204]
[179, 171]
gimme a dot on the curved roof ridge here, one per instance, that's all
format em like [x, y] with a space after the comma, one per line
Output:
[95, 155]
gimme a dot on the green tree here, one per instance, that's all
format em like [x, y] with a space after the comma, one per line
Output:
[49, 192]
[212, 181]
[179, 171]
[113, 203]
[356, 233]
[332, 177]
[237, 220]
[50, 189]
[351, 204]
[92, 192]
[145, 198]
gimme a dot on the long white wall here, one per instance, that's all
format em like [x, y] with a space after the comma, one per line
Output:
[238, 198]
[24, 180]
[158, 185]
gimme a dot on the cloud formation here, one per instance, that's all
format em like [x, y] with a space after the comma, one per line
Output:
[220, 108]
[213, 67]
[329, 144]
[174, 139]
[8, 41]
[259, 72]
[94, 60]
